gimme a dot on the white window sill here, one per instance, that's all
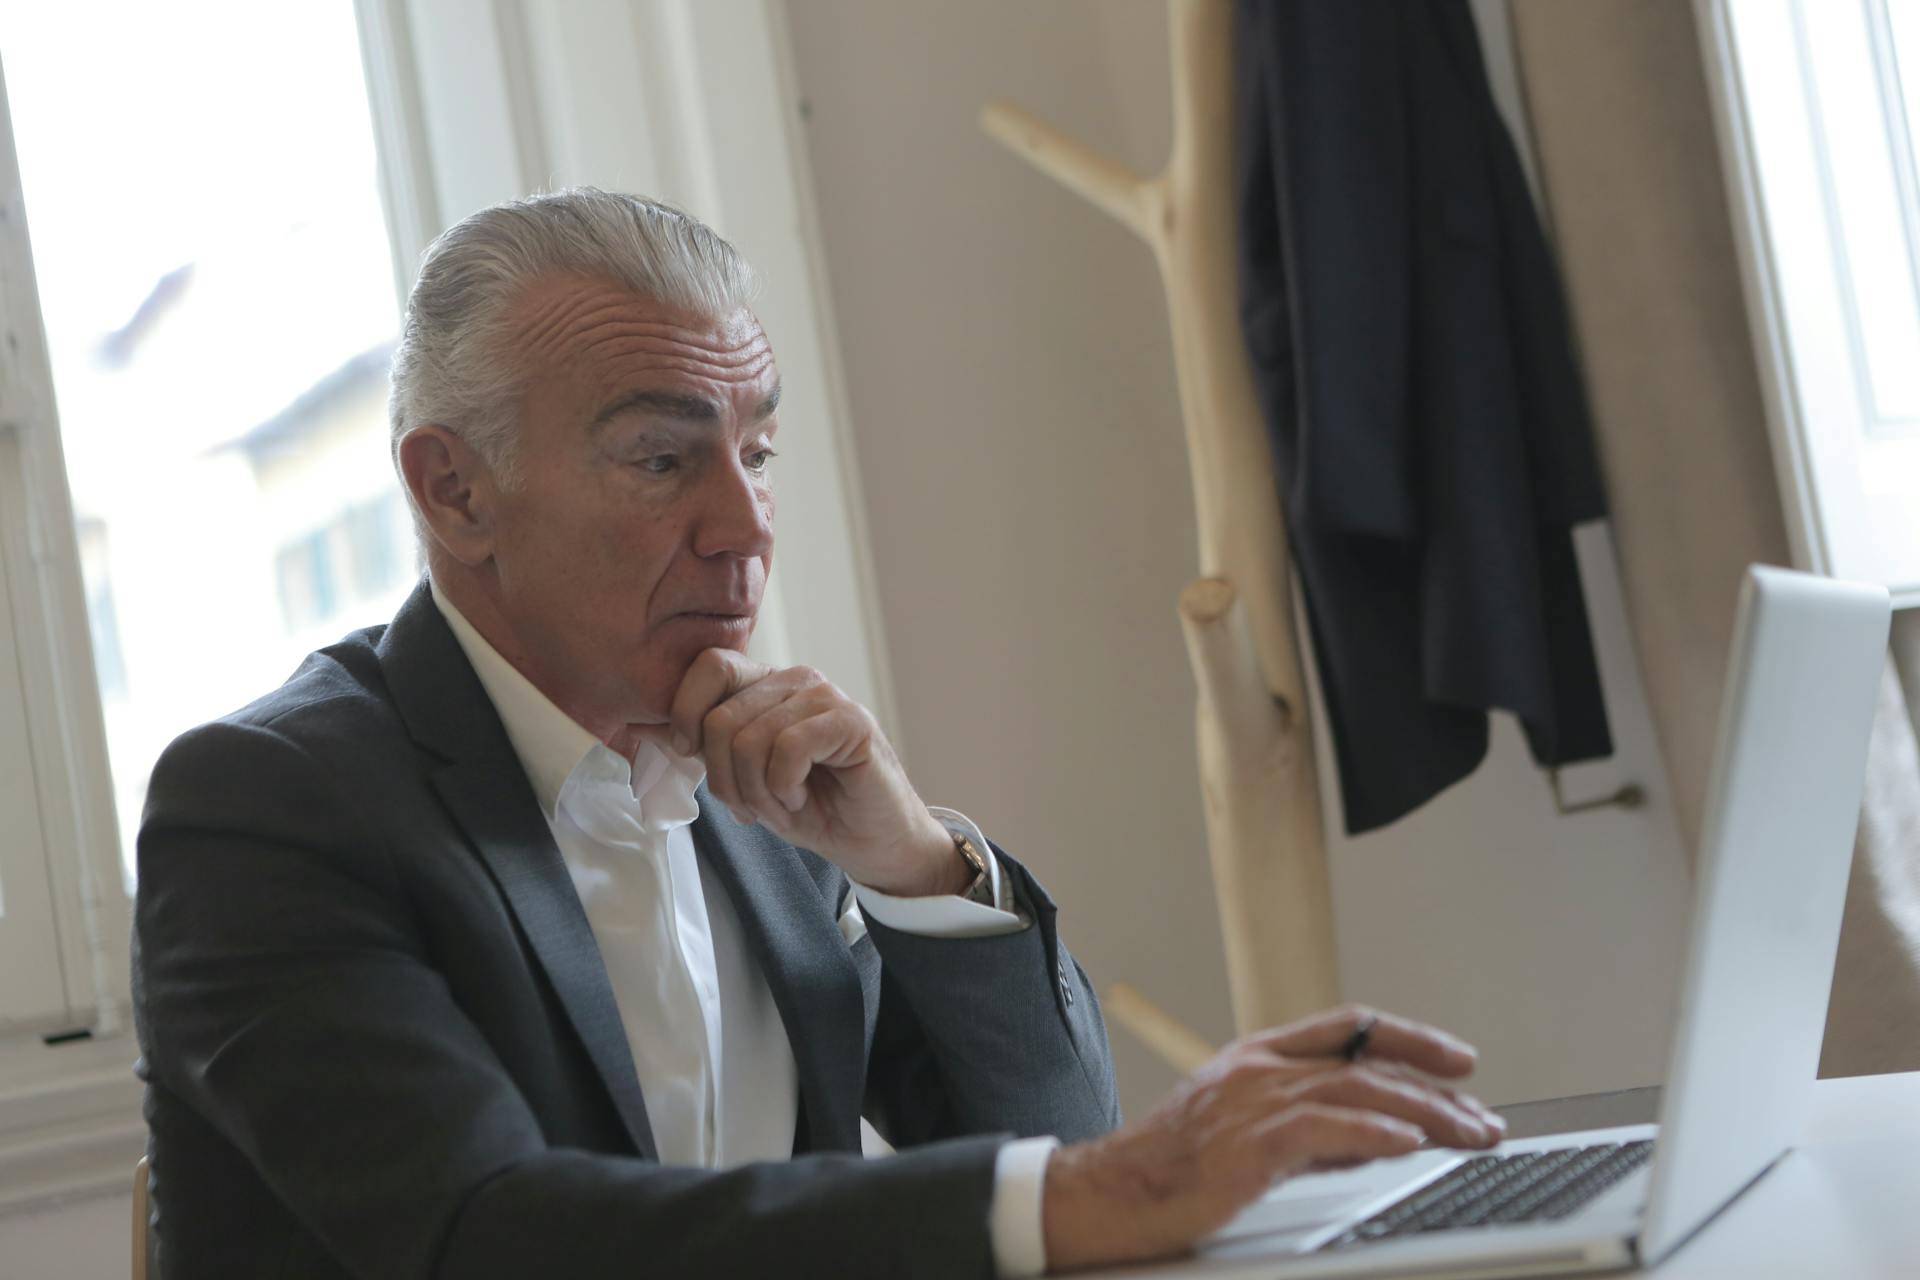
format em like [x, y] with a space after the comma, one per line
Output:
[70, 1122]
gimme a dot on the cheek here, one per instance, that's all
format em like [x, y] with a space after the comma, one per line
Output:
[638, 564]
[584, 558]
[620, 546]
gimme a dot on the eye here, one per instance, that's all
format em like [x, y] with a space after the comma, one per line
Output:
[758, 459]
[659, 464]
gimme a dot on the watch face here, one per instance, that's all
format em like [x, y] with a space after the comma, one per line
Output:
[981, 890]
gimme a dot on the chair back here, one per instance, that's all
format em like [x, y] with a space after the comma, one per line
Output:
[142, 1228]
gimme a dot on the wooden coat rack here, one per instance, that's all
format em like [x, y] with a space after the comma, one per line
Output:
[1255, 736]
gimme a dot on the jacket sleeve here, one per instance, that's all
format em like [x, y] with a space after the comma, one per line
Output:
[285, 992]
[990, 1034]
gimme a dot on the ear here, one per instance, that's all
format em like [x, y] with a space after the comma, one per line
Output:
[453, 490]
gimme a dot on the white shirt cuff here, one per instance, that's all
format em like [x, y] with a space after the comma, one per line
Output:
[948, 915]
[1013, 1219]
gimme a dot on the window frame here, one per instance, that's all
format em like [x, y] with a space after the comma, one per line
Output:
[1822, 423]
[67, 732]
[69, 1110]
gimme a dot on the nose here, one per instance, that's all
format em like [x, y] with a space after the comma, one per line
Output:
[736, 514]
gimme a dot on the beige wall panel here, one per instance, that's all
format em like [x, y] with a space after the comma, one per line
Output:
[1632, 176]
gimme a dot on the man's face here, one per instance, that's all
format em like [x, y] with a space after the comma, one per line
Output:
[640, 529]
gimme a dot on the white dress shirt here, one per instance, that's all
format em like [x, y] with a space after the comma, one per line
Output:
[676, 955]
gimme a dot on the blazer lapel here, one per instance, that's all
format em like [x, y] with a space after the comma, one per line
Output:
[804, 958]
[486, 789]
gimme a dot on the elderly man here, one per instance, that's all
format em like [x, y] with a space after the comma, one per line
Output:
[540, 931]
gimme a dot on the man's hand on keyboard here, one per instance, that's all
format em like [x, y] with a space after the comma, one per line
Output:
[1269, 1105]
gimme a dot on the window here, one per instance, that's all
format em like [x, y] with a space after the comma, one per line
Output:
[219, 304]
[1820, 106]
[217, 244]
[103, 621]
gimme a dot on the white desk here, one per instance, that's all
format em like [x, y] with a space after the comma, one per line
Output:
[1845, 1203]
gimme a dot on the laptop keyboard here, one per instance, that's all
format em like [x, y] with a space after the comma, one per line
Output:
[1487, 1190]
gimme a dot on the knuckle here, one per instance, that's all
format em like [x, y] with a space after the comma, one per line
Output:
[751, 742]
[790, 739]
[1245, 1070]
[1343, 1079]
[1333, 1085]
[1370, 1077]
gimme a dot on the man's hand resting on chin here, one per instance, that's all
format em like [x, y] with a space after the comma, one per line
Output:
[787, 749]
[1267, 1106]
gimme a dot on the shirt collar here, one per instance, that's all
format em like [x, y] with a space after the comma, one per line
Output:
[559, 755]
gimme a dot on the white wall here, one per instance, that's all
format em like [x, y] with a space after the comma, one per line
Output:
[1012, 397]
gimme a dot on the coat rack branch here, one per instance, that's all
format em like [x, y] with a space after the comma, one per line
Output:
[1259, 784]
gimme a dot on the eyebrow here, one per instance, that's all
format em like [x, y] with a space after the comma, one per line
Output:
[673, 404]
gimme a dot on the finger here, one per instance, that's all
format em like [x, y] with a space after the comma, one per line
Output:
[833, 738]
[1313, 1133]
[715, 676]
[1365, 1090]
[1458, 1097]
[1392, 1038]
[752, 749]
[726, 719]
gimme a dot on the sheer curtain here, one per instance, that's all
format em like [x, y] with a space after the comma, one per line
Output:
[1873, 1023]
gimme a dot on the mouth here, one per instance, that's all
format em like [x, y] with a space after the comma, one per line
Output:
[724, 619]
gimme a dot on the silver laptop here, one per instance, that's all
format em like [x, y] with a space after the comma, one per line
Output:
[1781, 808]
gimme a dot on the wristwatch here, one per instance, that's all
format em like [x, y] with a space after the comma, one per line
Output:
[981, 890]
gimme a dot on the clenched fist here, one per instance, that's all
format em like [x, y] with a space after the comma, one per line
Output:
[787, 749]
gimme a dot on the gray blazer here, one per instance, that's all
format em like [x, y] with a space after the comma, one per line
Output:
[378, 1038]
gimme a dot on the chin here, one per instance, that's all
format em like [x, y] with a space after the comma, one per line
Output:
[666, 663]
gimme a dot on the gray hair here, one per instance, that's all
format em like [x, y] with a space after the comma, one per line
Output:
[452, 367]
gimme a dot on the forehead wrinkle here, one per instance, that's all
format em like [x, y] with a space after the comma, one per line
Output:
[572, 317]
[545, 332]
[646, 356]
[754, 351]
[688, 336]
